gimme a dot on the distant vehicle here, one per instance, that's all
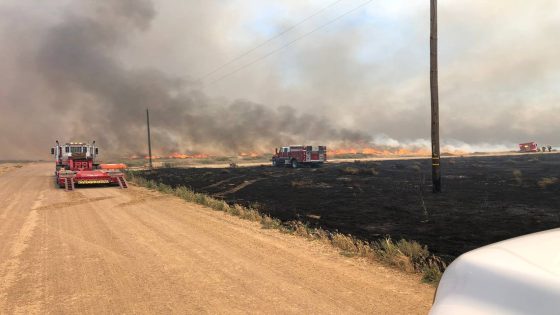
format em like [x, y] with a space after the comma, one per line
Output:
[516, 276]
[76, 164]
[529, 147]
[297, 155]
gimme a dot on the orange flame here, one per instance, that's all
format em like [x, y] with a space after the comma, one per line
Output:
[249, 154]
[376, 151]
[179, 156]
[200, 156]
[387, 152]
[175, 155]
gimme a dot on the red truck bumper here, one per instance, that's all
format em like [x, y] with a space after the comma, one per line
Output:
[95, 177]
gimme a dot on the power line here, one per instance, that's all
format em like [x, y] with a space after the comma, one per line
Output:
[292, 42]
[269, 40]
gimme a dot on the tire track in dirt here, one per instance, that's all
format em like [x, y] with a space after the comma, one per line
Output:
[139, 200]
[191, 250]
[10, 269]
[262, 268]
[11, 200]
[238, 187]
[7, 167]
[66, 204]
[222, 182]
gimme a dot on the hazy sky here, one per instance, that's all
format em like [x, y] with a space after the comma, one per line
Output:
[81, 70]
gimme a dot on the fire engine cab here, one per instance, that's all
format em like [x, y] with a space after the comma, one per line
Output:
[297, 155]
[528, 147]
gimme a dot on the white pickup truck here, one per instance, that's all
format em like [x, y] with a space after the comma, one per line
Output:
[516, 276]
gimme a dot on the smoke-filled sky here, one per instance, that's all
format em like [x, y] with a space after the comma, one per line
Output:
[84, 70]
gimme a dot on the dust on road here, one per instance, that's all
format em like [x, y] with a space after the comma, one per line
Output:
[107, 250]
[6, 167]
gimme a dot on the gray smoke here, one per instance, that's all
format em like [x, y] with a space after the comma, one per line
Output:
[87, 92]
[82, 70]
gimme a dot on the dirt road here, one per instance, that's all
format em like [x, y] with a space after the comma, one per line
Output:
[106, 250]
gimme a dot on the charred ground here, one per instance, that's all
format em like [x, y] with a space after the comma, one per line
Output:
[485, 199]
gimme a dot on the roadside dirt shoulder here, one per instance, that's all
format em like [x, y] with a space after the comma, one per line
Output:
[107, 250]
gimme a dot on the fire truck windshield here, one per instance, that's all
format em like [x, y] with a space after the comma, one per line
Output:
[78, 149]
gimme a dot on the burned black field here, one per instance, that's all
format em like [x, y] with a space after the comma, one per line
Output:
[485, 199]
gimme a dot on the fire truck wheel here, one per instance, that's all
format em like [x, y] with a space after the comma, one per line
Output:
[294, 163]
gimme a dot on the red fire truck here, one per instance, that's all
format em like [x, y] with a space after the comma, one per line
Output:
[296, 155]
[528, 147]
[76, 164]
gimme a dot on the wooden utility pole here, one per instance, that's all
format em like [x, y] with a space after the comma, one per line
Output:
[149, 138]
[436, 172]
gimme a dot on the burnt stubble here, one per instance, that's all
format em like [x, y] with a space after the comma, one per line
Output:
[484, 199]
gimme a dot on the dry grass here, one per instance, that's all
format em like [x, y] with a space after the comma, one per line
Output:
[405, 255]
[433, 270]
[344, 242]
[370, 171]
[168, 165]
[5, 167]
[393, 255]
[517, 176]
[301, 183]
[268, 222]
[350, 170]
[547, 181]
[356, 171]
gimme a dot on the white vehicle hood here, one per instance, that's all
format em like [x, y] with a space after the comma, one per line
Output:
[517, 276]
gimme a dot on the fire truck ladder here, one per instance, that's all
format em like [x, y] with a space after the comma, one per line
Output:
[122, 182]
[69, 183]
